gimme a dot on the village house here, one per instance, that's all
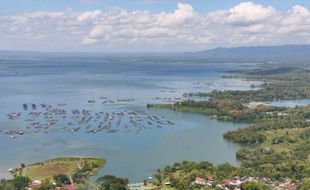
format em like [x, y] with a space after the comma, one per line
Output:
[35, 184]
[200, 181]
[69, 186]
[286, 185]
[203, 181]
[282, 114]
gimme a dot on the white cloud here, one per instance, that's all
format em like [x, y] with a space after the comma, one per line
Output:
[88, 41]
[183, 29]
[89, 16]
[184, 13]
[97, 32]
[248, 12]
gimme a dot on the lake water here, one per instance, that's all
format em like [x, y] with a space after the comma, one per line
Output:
[291, 103]
[135, 154]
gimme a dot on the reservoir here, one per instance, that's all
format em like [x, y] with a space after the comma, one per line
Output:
[112, 86]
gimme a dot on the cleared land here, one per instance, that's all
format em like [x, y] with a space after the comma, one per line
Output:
[67, 166]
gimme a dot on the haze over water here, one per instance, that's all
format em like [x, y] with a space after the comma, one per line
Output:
[76, 80]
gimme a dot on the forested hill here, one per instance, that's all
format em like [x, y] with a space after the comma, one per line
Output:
[283, 54]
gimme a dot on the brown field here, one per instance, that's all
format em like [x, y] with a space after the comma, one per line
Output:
[50, 168]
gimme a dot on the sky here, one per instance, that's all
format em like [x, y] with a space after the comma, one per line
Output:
[150, 25]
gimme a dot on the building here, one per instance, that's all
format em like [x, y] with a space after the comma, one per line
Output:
[200, 181]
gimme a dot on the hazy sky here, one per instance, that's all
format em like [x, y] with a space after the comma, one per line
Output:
[150, 25]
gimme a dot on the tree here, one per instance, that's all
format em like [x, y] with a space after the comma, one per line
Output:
[62, 179]
[46, 185]
[79, 177]
[305, 185]
[110, 182]
[85, 186]
[261, 138]
[21, 182]
[253, 186]
[6, 185]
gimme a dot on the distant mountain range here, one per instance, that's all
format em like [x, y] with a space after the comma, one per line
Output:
[258, 54]
[285, 53]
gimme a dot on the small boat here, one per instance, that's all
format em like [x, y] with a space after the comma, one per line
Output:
[170, 122]
[25, 106]
[112, 131]
[34, 107]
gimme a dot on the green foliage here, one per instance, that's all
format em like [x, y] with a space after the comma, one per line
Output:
[6, 185]
[279, 138]
[109, 182]
[21, 182]
[181, 175]
[62, 179]
[87, 167]
[245, 136]
[83, 186]
[305, 185]
[253, 186]
[224, 109]
[46, 185]
[79, 177]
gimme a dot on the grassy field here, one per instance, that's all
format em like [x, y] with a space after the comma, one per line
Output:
[67, 166]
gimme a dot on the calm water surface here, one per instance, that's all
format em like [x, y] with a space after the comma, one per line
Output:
[291, 103]
[74, 81]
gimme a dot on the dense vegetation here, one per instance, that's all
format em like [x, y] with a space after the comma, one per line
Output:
[277, 140]
[109, 182]
[225, 109]
[16, 183]
[234, 106]
[277, 84]
[281, 145]
[181, 176]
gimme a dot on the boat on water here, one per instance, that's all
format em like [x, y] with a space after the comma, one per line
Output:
[25, 106]
[170, 122]
[34, 106]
